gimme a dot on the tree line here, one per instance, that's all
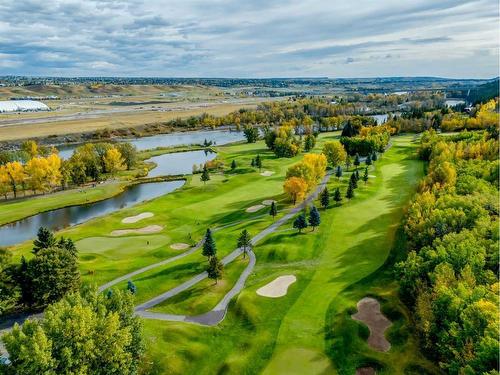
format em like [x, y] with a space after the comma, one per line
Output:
[450, 276]
[40, 170]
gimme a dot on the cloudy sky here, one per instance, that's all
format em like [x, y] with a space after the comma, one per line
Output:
[249, 38]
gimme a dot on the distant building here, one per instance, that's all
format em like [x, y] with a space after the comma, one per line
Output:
[22, 106]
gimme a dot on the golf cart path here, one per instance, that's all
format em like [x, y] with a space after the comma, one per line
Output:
[217, 314]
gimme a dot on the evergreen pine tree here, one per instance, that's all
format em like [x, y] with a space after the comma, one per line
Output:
[368, 160]
[365, 175]
[252, 163]
[314, 217]
[353, 181]
[300, 222]
[214, 269]
[244, 242]
[374, 156]
[45, 239]
[209, 247]
[338, 172]
[347, 162]
[131, 287]
[233, 165]
[205, 175]
[337, 196]
[273, 211]
[350, 192]
[325, 198]
[357, 162]
[258, 162]
[356, 173]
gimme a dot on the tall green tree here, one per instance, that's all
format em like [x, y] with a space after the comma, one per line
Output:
[131, 287]
[209, 247]
[205, 175]
[215, 269]
[338, 172]
[245, 242]
[337, 196]
[233, 165]
[350, 192]
[365, 175]
[353, 182]
[258, 162]
[10, 291]
[374, 156]
[45, 239]
[273, 211]
[85, 333]
[357, 162]
[314, 217]
[300, 222]
[129, 153]
[324, 198]
[251, 134]
[53, 273]
[368, 160]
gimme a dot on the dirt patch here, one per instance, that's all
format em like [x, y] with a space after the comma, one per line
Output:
[369, 313]
[146, 230]
[278, 287]
[179, 246]
[255, 208]
[268, 202]
[136, 218]
[267, 173]
[365, 371]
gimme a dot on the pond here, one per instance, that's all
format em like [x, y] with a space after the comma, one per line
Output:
[380, 118]
[179, 162]
[220, 137]
[27, 228]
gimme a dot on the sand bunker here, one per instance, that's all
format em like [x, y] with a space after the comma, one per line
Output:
[145, 230]
[372, 176]
[268, 202]
[255, 208]
[267, 173]
[136, 218]
[278, 287]
[179, 246]
[365, 371]
[370, 314]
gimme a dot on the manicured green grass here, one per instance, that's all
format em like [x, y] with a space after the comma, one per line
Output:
[185, 213]
[203, 297]
[289, 334]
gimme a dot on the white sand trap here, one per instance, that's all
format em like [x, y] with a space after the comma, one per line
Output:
[179, 246]
[136, 218]
[146, 230]
[268, 202]
[278, 287]
[255, 208]
[267, 173]
[372, 176]
[369, 313]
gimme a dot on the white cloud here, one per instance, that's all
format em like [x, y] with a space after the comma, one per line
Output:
[259, 38]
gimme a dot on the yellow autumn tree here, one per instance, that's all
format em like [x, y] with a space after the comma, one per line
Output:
[335, 153]
[113, 161]
[4, 181]
[54, 173]
[318, 163]
[36, 172]
[16, 175]
[295, 188]
[303, 171]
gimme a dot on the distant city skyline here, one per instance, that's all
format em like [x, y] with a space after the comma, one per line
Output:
[253, 39]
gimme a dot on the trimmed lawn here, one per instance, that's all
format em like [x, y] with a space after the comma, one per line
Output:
[291, 334]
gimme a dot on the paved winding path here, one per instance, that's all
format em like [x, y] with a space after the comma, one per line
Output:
[217, 314]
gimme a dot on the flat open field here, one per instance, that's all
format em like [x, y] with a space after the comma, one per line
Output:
[306, 331]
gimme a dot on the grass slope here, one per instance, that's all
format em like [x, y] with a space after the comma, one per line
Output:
[289, 335]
